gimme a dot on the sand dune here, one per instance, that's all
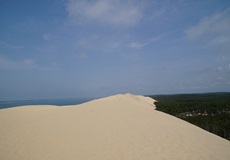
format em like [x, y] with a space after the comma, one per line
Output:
[120, 127]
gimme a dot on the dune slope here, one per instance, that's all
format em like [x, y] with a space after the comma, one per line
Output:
[124, 127]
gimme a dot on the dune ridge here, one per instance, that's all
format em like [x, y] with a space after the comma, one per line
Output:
[125, 127]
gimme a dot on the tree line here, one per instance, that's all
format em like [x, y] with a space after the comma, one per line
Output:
[210, 111]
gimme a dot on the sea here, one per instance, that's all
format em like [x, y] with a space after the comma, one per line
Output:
[56, 102]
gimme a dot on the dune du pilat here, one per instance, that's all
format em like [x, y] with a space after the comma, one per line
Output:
[125, 127]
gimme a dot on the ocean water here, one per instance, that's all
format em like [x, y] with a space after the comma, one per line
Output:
[57, 102]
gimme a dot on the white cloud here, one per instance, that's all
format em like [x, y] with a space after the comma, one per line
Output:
[100, 43]
[117, 13]
[10, 46]
[25, 64]
[7, 64]
[220, 68]
[158, 13]
[139, 45]
[47, 36]
[224, 69]
[80, 55]
[16, 65]
[29, 62]
[220, 40]
[212, 27]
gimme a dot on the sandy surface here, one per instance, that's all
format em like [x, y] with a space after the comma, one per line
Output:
[120, 127]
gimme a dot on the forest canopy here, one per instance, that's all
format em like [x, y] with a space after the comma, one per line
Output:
[210, 111]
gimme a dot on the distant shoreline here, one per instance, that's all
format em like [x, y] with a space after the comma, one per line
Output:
[56, 102]
[73, 101]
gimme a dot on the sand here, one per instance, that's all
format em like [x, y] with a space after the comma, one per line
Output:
[120, 127]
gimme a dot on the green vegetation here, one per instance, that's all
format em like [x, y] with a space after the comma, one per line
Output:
[210, 111]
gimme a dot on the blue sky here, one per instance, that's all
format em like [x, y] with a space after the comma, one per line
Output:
[84, 48]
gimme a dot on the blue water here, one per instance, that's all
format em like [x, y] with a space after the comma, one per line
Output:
[57, 102]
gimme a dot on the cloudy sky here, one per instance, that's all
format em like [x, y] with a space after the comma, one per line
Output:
[94, 48]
